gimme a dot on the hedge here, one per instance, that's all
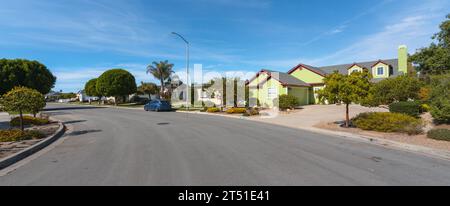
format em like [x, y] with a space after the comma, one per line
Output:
[287, 102]
[388, 122]
[213, 110]
[412, 108]
[28, 120]
[236, 111]
[439, 134]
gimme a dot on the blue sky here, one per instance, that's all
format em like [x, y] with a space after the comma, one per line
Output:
[79, 39]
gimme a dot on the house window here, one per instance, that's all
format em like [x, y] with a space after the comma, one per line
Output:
[380, 71]
[272, 93]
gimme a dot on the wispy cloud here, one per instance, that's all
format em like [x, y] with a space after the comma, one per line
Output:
[78, 25]
[413, 30]
[343, 25]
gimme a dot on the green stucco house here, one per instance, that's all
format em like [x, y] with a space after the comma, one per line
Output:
[304, 80]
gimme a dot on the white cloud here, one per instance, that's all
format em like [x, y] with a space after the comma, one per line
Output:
[414, 31]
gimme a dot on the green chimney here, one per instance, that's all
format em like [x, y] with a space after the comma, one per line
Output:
[403, 59]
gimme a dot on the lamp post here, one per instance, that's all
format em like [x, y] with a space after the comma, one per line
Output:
[187, 67]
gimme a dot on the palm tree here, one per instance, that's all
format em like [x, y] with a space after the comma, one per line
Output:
[162, 71]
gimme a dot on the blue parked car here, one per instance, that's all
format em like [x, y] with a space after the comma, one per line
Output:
[158, 105]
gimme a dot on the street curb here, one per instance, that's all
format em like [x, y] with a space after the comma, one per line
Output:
[436, 153]
[8, 161]
[214, 114]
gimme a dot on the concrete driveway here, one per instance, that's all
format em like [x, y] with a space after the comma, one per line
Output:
[107, 146]
[315, 114]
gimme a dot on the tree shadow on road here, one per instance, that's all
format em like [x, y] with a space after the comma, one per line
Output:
[82, 132]
[72, 108]
[74, 121]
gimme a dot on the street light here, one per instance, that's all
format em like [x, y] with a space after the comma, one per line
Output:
[187, 67]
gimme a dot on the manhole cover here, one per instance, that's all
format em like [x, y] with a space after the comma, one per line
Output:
[163, 123]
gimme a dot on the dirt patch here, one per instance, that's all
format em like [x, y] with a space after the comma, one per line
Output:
[420, 140]
[9, 148]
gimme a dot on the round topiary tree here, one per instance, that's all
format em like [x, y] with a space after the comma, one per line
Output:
[91, 89]
[116, 83]
[20, 72]
[21, 100]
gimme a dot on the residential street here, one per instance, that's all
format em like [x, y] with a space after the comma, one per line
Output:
[108, 146]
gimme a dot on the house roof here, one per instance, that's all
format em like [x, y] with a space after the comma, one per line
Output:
[343, 68]
[284, 78]
[309, 67]
[287, 80]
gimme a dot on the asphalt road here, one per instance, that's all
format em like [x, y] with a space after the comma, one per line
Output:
[129, 147]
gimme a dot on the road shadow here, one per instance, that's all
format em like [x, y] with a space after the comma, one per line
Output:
[82, 132]
[57, 113]
[71, 108]
[74, 121]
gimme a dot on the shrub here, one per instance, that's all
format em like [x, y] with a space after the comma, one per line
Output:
[424, 93]
[213, 110]
[440, 110]
[410, 108]
[236, 111]
[15, 135]
[401, 88]
[288, 102]
[440, 98]
[251, 112]
[425, 107]
[439, 134]
[28, 120]
[388, 122]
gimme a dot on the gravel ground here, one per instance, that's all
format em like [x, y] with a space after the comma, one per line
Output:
[9, 148]
[324, 116]
[420, 140]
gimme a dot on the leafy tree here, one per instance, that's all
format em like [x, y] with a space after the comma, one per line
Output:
[21, 100]
[346, 89]
[91, 89]
[401, 88]
[148, 88]
[116, 83]
[435, 59]
[20, 72]
[161, 71]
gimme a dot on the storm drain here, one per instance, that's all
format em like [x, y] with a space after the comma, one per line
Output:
[163, 123]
